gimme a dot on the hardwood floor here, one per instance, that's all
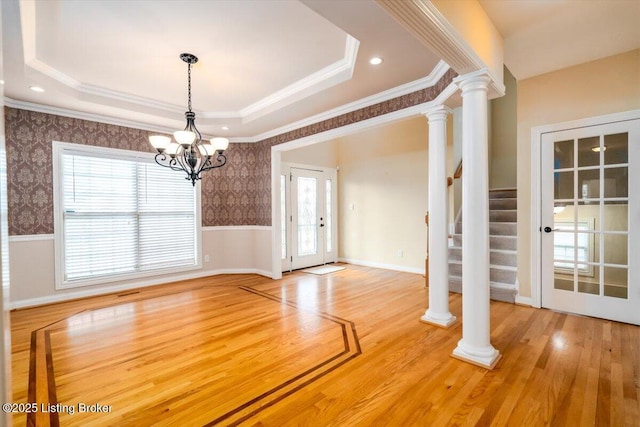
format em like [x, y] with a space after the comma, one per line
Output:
[344, 349]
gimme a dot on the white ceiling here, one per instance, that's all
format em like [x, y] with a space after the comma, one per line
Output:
[547, 35]
[264, 64]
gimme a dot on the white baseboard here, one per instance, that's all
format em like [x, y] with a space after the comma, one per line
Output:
[259, 272]
[103, 290]
[524, 301]
[382, 265]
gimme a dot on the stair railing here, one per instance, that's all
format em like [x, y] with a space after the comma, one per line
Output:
[456, 175]
[426, 260]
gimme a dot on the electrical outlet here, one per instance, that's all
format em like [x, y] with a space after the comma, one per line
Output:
[206, 258]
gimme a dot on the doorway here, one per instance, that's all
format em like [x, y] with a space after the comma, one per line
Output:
[308, 216]
[590, 220]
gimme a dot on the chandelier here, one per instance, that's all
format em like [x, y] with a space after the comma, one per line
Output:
[189, 154]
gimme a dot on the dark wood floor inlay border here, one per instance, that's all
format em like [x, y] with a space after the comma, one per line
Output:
[243, 412]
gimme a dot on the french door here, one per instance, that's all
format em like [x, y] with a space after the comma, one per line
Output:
[590, 216]
[309, 231]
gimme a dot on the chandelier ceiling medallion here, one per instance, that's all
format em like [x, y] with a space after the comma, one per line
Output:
[189, 153]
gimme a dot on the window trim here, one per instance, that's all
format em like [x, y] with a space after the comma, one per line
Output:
[57, 149]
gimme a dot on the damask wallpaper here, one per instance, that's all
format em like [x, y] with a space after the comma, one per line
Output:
[237, 194]
[228, 194]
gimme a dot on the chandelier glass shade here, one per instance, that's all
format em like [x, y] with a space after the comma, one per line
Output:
[189, 153]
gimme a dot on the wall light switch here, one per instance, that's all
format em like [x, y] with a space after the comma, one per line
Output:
[351, 206]
[206, 258]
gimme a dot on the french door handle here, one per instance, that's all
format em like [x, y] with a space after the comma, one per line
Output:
[549, 229]
[321, 225]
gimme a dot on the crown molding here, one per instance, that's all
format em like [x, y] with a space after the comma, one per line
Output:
[407, 88]
[422, 19]
[443, 99]
[401, 90]
[329, 76]
[74, 114]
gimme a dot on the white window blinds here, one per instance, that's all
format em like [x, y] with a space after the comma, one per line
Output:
[123, 216]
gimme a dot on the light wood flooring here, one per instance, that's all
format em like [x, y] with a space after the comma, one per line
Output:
[344, 349]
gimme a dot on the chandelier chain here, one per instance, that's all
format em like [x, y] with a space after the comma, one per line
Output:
[190, 154]
[189, 86]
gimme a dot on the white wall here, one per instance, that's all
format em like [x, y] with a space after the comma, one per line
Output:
[324, 154]
[606, 86]
[242, 249]
[382, 195]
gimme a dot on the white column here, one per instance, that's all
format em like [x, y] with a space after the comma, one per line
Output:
[438, 312]
[475, 346]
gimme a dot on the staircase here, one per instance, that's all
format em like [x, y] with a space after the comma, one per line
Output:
[503, 255]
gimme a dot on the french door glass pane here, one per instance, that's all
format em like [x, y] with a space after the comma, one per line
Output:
[589, 286]
[617, 150]
[589, 184]
[563, 282]
[563, 154]
[589, 151]
[616, 216]
[616, 249]
[616, 182]
[563, 185]
[616, 282]
[307, 218]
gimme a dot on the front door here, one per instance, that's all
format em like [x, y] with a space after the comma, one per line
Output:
[590, 216]
[308, 223]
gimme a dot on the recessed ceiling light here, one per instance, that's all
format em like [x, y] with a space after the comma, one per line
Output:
[1, 82]
[376, 60]
[36, 88]
[225, 128]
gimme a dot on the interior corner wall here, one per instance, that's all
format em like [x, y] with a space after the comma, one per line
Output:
[473, 24]
[5, 327]
[382, 195]
[324, 154]
[606, 86]
[504, 134]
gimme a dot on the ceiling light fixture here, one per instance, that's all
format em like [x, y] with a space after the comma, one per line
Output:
[36, 89]
[225, 128]
[596, 149]
[376, 60]
[189, 154]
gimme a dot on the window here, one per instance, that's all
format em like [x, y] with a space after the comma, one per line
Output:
[328, 229]
[283, 216]
[569, 246]
[120, 216]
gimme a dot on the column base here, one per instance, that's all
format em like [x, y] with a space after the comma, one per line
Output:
[487, 362]
[440, 321]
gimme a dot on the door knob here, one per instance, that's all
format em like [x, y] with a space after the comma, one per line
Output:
[549, 229]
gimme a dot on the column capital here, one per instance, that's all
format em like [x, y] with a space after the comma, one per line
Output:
[437, 112]
[476, 80]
